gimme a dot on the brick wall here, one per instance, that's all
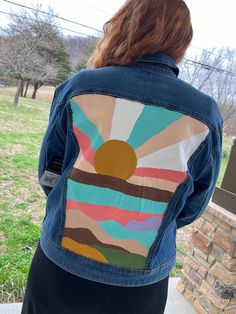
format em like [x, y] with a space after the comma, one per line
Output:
[208, 279]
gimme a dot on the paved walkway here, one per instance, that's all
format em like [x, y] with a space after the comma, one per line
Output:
[176, 303]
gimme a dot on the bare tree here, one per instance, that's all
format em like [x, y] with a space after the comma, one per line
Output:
[79, 50]
[29, 49]
[223, 85]
[44, 72]
[214, 72]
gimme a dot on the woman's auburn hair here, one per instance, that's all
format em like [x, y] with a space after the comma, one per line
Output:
[143, 27]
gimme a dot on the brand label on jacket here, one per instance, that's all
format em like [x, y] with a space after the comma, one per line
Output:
[52, 173]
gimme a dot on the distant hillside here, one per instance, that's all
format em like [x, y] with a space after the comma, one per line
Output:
[79, 49]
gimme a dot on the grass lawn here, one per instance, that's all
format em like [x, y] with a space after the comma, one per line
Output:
[22, 200]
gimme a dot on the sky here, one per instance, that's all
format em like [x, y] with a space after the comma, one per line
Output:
[214, 21]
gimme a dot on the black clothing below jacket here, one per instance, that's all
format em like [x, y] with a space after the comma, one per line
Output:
[52, 290]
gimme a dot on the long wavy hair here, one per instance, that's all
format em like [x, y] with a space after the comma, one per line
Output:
[141, 27]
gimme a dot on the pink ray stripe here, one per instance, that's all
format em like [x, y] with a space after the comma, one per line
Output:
[100, 212]
[85, 144]
[171, 175]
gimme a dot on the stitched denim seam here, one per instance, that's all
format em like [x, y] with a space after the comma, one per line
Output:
[117, 281]
[166, 220]
[116, 269]
[144, 68]
[62, 220]
[117, 93]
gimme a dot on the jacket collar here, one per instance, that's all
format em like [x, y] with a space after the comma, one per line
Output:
[160, 58]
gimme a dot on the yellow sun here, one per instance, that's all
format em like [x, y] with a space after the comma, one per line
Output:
[115, 158]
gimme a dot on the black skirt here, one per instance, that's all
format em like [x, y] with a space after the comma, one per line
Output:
[52, 290]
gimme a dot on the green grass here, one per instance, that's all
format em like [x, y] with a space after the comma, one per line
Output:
[223, 168]
[227, 144]
[17, 248]
[181, 250]
[22, 200]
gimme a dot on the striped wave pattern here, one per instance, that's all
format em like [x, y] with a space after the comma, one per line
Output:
[132, 159]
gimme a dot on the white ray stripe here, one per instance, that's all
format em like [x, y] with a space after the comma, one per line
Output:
[174, 157]
[125, 115]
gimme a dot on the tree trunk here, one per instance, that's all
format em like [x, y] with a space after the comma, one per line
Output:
[18, 92]
[36, 87]
[22, 89]
[26, 88]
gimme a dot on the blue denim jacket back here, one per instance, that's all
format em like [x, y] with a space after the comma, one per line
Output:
[160, 115]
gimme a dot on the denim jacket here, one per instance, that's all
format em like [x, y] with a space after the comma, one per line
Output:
[130, 155]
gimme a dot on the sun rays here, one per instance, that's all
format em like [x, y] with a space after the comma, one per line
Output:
[132, 159]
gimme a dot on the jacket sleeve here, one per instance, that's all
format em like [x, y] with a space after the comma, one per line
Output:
[54, 139]
[203, 188]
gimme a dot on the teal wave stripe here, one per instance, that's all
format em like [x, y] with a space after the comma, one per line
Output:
[81, 121]
[119, 232]
[80, 192]
[152, 121]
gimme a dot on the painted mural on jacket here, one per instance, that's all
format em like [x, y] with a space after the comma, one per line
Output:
[132, 158]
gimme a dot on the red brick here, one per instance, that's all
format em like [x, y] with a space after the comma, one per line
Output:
[210, 278]
[201, 241]
[190, 248]
[192, 262]
[186, 269]
[205, 303]
[214, 310]
[230, 310]
[188, 281]
[201, 260]
[209, 229]
[181, 286]
[182, 276]
[199, 252]
[217, 251]
[218, 302]
[195, 277]
[198, 223]
[222, 224]
[202, 272]
[226, 277]
[211, 259]
[198, 308]
[208, 216]
[189, 296]
[229, 262]
[226, 241]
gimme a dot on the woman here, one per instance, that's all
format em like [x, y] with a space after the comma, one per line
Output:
[131, 154]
